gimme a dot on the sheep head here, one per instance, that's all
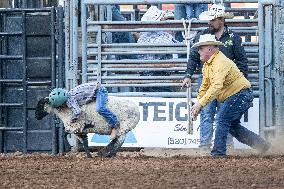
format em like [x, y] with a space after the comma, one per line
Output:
[42, 108]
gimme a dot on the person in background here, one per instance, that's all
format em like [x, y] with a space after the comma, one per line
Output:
[233, 49]
[156, 37]
[222, 80]
[121, 37]
[188, 11]
[227, 5]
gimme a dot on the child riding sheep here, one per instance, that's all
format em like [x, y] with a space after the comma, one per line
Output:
[84, 94]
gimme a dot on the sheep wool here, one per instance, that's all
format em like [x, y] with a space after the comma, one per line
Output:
[126, 111]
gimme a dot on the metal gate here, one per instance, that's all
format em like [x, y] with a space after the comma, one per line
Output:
[99, 52]
[271, 67]
[31, 64]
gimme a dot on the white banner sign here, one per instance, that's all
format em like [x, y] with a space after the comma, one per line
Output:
[163, 123]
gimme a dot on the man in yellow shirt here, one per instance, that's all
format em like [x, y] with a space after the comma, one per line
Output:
[222, 80]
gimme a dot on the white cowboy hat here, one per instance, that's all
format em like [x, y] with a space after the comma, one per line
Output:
[215, 11]
[207, 39]
[155, 14]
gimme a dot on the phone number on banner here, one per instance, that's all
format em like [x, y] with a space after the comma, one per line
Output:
[182, 141]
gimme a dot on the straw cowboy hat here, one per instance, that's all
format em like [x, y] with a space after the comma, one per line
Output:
[215, 11]
[155, 14]
[207, 39]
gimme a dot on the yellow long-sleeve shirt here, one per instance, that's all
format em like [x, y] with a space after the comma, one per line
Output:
[221, 79]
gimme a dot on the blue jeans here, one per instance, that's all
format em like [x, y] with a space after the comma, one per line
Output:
[207, 117]
[188, 11]
[121, 37]
[116, 14]
[101, 108]
[228, 121]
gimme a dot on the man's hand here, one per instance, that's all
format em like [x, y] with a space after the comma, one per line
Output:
[195, 110]
[186, 82]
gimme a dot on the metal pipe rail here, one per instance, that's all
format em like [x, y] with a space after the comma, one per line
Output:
[125, 52]
[243, 12]
[154, 45]
[146, 50]
[130, 61]
[121, 46]
[175, 76]
[250, 75]
[150, 67]
[142, 2]
[126, 68]
[166, 24]
[235, 29]
[29, 10]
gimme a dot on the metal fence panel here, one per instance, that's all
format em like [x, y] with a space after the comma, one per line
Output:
[270, 73]
[28, 72]
[99, 52]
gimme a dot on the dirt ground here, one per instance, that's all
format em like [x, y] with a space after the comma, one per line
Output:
[144, 169]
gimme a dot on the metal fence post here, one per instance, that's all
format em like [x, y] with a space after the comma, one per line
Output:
[61, 74]
[279, 54]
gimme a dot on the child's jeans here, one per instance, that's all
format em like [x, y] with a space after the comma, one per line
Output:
[101, 108]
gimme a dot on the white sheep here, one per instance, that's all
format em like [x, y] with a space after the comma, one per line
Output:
[91, 122]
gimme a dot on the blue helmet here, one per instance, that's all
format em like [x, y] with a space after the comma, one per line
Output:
[57, 97]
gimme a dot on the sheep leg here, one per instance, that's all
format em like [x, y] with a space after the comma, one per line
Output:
[67, 146]
[84, 140]
[105, 151]
[115, 146]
